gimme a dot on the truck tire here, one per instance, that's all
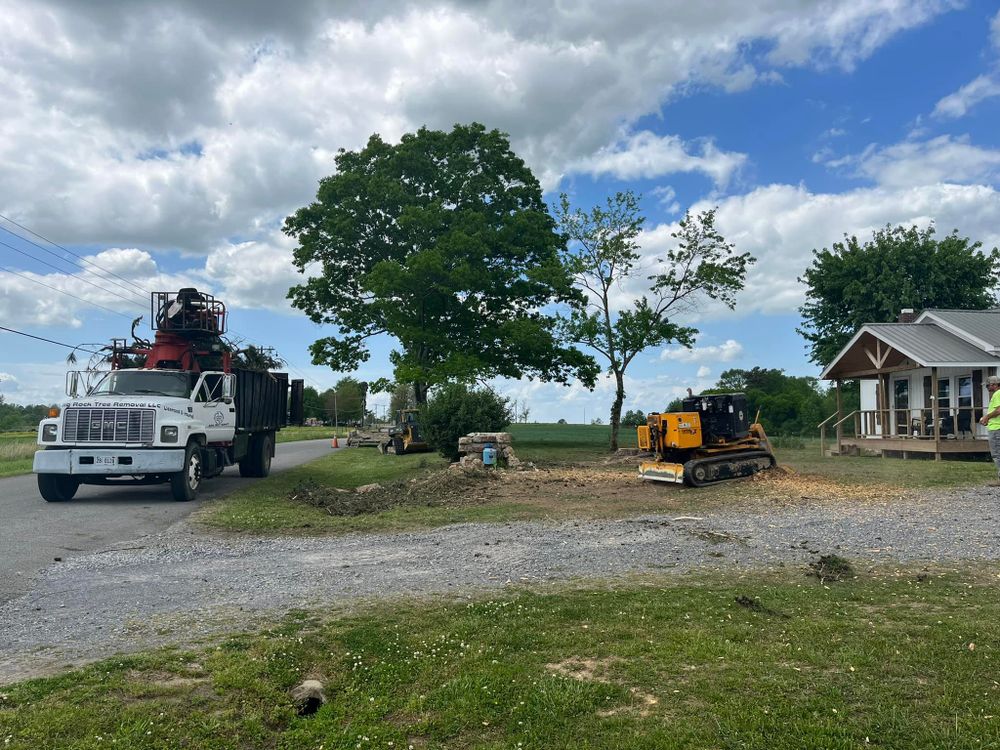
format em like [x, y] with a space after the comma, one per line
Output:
[184, 484]
[57, 488]
[264, 454]
[257, 462]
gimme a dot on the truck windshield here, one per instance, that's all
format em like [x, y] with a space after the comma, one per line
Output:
[143, 383]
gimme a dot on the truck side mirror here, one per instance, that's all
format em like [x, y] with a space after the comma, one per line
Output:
[228, 388]
[72, 384]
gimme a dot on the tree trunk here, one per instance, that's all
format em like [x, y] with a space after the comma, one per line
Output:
[616, 410]
[419, 392]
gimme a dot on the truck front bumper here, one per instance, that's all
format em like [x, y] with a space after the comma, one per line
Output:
[108, 461]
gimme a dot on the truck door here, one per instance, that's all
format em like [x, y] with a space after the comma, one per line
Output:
[218, 417]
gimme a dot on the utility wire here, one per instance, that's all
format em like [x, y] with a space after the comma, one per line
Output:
[55, 289]
[71, 262]
[61, 270]
[56, 244]
[48, 341]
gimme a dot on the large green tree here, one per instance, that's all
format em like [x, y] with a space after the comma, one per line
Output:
[443, 242]
[345, 402]
[870, 282]
[603, 256]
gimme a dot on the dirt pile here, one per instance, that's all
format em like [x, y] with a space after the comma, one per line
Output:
[437, 488]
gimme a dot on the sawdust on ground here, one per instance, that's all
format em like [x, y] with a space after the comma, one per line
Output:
[597, 489]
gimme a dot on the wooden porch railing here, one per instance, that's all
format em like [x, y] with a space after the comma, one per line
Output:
[825, 422]
[959, 422]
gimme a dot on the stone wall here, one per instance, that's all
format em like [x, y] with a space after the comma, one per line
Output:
[471, 447]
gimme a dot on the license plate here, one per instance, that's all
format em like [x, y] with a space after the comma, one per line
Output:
[105, 460]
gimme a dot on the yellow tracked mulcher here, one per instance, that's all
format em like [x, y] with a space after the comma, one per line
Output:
[709, 440]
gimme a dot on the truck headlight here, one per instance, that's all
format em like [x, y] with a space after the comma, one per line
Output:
[168, 434]
[50, 432]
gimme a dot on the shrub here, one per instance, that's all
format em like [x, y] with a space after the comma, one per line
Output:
[455, 410]
[561, 421]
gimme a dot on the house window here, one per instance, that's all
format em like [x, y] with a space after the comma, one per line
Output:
[944, 394]
[964, 417]
[901, 405]
[944, 407]
[965, 392]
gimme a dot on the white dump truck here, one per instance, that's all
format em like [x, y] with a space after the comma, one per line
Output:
[182, 417]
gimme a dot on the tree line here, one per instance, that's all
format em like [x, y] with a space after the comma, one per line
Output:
[17, 417]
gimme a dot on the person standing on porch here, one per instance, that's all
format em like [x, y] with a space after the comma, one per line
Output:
[991, 420]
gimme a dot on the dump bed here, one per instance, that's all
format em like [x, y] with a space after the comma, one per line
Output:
[261, 400]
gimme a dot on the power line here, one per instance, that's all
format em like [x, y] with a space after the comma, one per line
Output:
[56, 244]
[66, 260]
[48, 341]
[56, 289]
[61, 270]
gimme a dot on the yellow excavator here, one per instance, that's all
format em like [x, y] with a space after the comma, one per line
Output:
[710, 440]
[405, 436]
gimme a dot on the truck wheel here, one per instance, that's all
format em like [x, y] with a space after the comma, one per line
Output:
[257, 462]
[57, 488]
[184, 484]
[264, 455]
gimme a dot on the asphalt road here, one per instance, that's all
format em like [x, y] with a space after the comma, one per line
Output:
[33, 532]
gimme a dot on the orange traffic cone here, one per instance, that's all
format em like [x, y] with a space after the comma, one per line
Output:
[334, 443]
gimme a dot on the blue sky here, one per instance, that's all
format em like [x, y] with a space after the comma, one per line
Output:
[166, 141]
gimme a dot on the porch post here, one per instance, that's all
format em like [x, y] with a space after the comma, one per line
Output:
[840, 416]
[935, 414]
[884, 406]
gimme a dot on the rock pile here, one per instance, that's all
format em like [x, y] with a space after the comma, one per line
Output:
[471, 447]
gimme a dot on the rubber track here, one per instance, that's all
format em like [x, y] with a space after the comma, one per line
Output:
[739, 465]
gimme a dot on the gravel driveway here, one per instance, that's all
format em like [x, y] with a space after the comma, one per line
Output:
[181, 587]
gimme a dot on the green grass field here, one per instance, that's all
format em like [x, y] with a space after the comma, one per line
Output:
[890, 660]
[17, 451]
[553, 444]
[292, 434]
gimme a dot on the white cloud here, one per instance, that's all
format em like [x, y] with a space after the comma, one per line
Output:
[184, 125]
[645, 155]
[960, 102]
[33, 382]
[782, 224]
[666, 196]
[725, 352]
[912, 163]
[977, 90]
[704, 371]
[254, 274]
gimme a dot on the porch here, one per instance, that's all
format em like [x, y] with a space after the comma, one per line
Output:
[922, 392]
[956, 431]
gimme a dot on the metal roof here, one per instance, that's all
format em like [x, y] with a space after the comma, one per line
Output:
[979, 326]
[925, 344]
[931, 345]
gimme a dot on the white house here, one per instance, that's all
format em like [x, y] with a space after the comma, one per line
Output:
[922, 382]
